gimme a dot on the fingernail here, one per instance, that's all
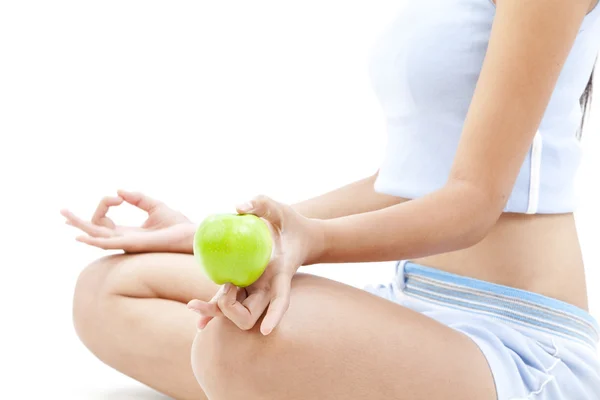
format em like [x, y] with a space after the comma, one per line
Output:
[227, 288]
[245, 207]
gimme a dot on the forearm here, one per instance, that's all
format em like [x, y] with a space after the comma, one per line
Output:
[449, 219]
[355, 198]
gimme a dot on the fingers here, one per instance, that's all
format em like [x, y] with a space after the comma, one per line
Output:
[264, 207]
[100, 225]
[280, 302]
[139, 200]
[87, 227]
[243, 314]
[207, 310]
[130, 243]
[107, 243]
[99, 217]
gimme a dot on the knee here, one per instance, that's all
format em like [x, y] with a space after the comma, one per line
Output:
[229, 362]
[91, 286]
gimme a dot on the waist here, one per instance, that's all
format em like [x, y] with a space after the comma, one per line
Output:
[513, 306]
[536, 253]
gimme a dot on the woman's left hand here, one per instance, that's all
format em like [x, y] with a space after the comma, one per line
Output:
[297, 240]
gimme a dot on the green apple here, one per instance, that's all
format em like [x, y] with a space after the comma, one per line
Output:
[233, 248]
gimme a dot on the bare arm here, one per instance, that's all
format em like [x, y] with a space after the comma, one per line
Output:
[529, 44]
[355, 198]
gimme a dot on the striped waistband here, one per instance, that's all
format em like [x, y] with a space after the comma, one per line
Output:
[500, 302]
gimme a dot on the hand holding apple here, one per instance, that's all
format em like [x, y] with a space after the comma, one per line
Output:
[296, 241]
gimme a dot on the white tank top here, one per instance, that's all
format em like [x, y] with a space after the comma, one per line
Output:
[424, 68]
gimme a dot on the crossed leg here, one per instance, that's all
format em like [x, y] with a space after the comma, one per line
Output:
[335, 342]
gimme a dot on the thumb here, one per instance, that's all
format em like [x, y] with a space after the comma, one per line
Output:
[263, 207]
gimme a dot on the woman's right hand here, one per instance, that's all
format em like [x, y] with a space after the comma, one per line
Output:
[165, 230]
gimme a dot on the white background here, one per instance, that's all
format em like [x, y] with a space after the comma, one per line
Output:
[200, 104]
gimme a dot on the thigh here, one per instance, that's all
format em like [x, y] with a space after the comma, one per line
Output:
[339, 342]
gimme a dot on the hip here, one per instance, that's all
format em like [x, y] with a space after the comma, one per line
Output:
[536, 346]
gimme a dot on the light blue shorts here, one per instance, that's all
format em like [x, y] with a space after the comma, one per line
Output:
[538, 348]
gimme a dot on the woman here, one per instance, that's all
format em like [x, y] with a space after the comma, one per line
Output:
[482, 105]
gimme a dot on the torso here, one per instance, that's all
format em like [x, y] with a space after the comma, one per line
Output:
[424, 69]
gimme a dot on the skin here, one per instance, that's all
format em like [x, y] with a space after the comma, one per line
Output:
[368, 347]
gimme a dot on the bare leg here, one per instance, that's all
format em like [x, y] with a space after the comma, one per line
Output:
[130, 311]
[338, 342]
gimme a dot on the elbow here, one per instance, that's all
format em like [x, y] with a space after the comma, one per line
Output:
[475, 231]
[478, 214]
